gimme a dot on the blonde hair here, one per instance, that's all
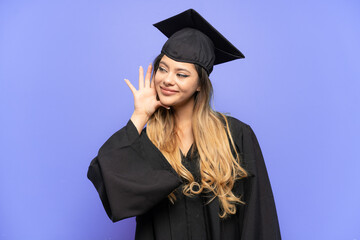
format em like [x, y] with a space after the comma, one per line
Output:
[218, 168]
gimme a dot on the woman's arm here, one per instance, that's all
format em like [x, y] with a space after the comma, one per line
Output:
[130, 174]
[260, 217]
[259, 220]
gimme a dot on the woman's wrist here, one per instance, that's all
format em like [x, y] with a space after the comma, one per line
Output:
[139, 120]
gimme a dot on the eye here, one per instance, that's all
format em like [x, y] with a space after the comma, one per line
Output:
[161, 69]
[182, 75]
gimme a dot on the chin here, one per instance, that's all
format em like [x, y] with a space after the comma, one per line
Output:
[166, 102]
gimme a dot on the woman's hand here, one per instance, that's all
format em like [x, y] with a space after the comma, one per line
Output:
[145, 101]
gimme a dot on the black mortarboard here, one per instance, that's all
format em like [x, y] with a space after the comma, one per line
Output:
[192, 39]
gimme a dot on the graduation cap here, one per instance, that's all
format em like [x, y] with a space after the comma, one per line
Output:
[192, 39]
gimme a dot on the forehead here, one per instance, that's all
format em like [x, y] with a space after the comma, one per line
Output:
[176, 64]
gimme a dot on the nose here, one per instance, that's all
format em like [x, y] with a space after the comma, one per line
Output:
[169, 80]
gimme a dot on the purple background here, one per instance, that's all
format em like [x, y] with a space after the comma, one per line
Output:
[62, 94]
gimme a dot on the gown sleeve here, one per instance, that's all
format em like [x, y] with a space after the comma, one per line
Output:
[130, 174]
[260, 221]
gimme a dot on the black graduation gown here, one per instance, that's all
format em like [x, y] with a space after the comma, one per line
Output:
[133, 178]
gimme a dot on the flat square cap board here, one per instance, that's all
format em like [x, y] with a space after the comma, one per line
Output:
[192, 39]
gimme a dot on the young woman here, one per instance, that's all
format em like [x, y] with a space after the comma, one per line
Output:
[192, 173]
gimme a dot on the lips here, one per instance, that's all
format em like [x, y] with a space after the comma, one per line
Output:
[167, 91]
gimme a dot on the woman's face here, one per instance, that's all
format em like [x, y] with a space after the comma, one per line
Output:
[176, 82]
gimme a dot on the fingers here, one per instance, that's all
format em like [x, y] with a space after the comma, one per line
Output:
[148, 76]
[152, 85]
[141, 77]
[132, 88]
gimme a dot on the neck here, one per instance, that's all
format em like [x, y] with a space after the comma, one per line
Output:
[183, 115]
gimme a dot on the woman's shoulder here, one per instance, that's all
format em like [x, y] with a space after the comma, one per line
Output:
[234, 123]
[240, 131]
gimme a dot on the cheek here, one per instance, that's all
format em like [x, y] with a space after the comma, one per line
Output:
[189, 87]
[157, 80]
[156, 85]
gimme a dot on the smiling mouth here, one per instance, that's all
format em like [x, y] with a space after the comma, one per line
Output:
[167, 92]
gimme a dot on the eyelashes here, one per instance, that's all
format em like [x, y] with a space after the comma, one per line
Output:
[161, 69]
[182, 75]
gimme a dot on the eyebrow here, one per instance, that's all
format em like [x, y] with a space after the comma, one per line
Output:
[177, 69]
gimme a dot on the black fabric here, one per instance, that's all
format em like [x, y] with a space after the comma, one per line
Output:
[133, 178]
[194, 40]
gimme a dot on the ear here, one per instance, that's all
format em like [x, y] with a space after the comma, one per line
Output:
[198, 89]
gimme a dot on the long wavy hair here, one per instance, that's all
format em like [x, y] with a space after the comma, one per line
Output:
[219, 168]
